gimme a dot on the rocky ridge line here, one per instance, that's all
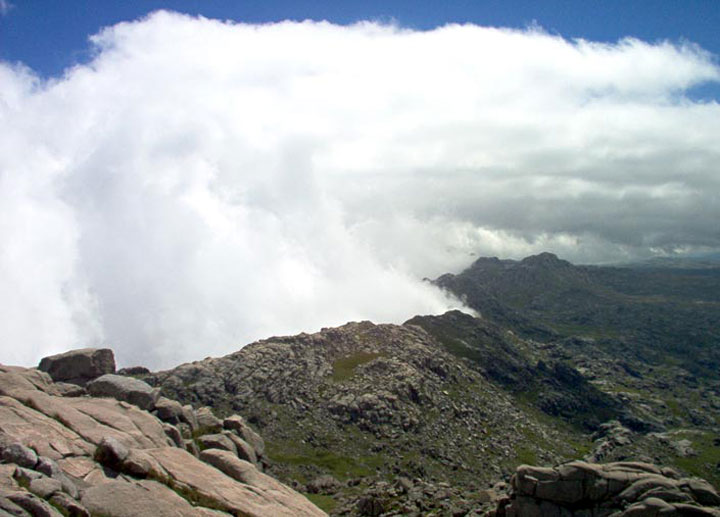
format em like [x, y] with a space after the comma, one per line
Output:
[114, 447]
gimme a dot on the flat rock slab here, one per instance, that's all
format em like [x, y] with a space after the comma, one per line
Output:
[84, 421]
[14, 379]
[130, 499]
[39, 431]
[230, 495]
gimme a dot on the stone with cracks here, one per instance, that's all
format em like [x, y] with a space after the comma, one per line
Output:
[127, 389]
[170, 411]
[130, 499]
[79, 366]
[58, 436]
[237, 424]
[264, 497]
[621, 489]
[20, 455]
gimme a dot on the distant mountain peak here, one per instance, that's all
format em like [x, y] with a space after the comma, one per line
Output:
[545, 259]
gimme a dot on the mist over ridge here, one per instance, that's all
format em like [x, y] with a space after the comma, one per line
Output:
[200, 184]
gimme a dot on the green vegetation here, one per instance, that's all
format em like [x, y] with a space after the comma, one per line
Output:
[705, 462]
[325, 502]
[341, 466]
[344, 369]
[527, 455]
[665, 313]
[674, 407]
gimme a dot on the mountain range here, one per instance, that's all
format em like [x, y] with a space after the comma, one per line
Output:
[560, 390]
[559, 362]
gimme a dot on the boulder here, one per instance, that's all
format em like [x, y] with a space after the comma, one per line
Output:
[133, 370]
[240, 470]
[237, 424]
[79, 366]
[32, 504]
[48, 467]
[207, 422]
[324, 485]
[66, 389]
[15, 379]
[8, 508]
[244, 450]
[622, 489]
[25, 476]
[45, 487]
[174, 434]
[370, 506]
[170, 411]
[111, 453]
[19, 455]
[128, 389]
[68, 505]
[702, 491]
[139, 464]
[217, 441]
[189, 418]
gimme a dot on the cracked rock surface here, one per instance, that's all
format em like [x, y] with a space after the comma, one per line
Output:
[89, 455]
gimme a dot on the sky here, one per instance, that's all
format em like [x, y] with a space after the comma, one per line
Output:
[175, 186]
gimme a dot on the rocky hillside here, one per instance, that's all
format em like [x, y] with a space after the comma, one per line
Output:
[441, 415]
[367, 403]
[654, 314]
[644, 334]
[449, 404]
[433, 416]
[106, 445]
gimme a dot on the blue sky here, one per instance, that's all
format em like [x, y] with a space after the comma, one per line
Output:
[50, 35]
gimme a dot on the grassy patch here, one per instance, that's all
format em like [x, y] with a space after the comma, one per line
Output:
[325, 502]
[344, 368]
[582, 449]
[526, 455]
[708, 456]
[674, 407]
[340, 466]
[591, 331]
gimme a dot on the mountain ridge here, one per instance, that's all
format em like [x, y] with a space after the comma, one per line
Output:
[438, 415]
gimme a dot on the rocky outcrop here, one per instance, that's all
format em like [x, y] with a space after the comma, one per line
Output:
[364, 404]
[614, 489]
[79, 366]
[128, 389]
[87, 455]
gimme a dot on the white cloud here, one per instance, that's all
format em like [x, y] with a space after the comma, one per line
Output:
[202, 184]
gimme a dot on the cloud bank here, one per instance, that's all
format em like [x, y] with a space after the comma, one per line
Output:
[202, 184]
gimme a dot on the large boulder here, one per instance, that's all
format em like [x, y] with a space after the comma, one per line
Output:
[170, 411]
[130, 390]
[79, 366]
[620, 489]
[207, 422]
